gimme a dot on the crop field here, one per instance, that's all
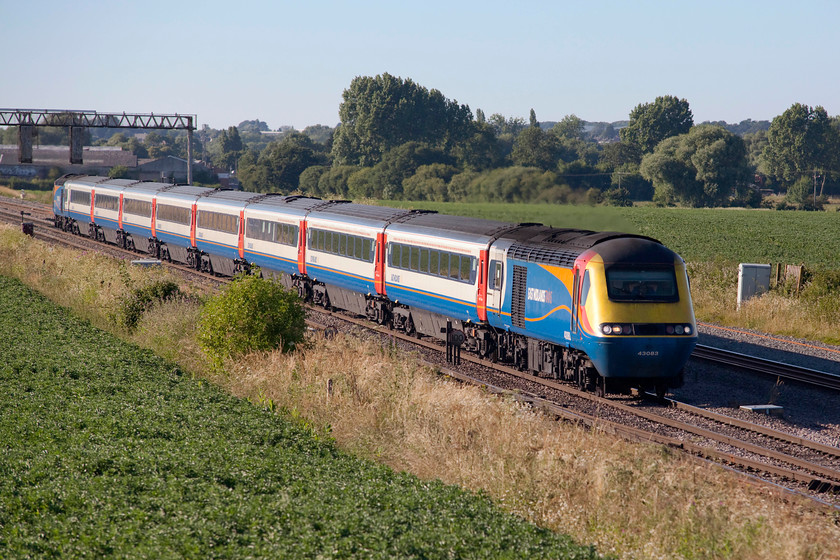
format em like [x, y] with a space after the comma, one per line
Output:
[757, 236]
[699, 235]
[110, 451]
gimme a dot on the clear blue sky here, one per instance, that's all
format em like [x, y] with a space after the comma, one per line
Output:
[288, 62]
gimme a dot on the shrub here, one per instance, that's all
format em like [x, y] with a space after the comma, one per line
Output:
[140, 300]
[250, 314]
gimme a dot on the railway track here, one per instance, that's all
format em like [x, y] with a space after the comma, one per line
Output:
[802, 465]
[755, 364]
[813, 468]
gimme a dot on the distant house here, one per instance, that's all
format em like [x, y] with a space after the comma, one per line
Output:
[97, 160]
[168, 169]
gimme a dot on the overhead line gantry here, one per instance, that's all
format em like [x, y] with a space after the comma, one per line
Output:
[27, 119]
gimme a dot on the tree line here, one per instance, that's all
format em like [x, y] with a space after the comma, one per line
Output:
[399, 140]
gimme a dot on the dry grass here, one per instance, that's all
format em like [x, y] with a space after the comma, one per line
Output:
[714, 292]
[44, 197]
[637, 501]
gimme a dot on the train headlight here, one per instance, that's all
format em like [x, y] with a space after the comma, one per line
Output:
[606, 329]
[669, 329]
[678, 329]
[688, 329]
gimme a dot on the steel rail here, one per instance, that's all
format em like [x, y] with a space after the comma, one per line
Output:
[768, 367]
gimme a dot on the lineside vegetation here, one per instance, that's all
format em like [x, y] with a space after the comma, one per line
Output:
[630, 500]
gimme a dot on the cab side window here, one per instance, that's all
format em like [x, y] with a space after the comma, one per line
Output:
[495, 280]
[584, 290]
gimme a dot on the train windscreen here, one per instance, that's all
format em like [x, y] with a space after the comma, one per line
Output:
[655, 285]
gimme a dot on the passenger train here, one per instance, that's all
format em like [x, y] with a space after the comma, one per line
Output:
[607, 310]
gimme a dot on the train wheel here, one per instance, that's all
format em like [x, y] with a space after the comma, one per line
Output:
[660, 389]
[601, 386]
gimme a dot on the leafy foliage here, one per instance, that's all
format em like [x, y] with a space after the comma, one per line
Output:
[800, 141]
[251, 314]
[701, 168]
[141, 299]
[382, 112]
[111, 452]
[651, 123]
[280, 165]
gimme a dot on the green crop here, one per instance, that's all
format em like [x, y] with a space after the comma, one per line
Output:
[109, 451]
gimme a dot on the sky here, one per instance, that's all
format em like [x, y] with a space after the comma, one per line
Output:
[288, 62]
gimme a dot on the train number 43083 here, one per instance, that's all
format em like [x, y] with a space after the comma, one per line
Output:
[648, 353]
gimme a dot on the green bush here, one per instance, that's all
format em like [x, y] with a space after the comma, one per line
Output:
[140, 300]
[251, 314]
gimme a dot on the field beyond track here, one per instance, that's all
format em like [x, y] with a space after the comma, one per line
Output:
[110, 451]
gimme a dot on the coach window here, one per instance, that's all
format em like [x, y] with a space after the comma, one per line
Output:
[404, 257]
[136, 207]
[434, 260]
[444, 264]
[107, 202]
[454, 266]
[424, 260]
[80, 197]
[415, 258]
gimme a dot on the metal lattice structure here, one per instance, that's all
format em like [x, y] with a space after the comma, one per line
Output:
[26, 119]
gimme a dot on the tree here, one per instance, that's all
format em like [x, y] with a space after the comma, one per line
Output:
[250, 127]
[801, 141]
[651, 123]
[501, 126]
[401, 163]
[533, 119]
[335, 182]
[319, 133]
[227, 148]
[118, 172]
[280, 164]
[534, 147]
[429, 182]
[480, 151]
[570, 127]
[512, 184]
[701, 168]
[618, 154]
[383, 112]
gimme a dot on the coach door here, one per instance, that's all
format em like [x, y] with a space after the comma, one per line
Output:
[495, 281]
[575, 301]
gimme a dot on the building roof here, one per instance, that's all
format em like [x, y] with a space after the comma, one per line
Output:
[95, 156]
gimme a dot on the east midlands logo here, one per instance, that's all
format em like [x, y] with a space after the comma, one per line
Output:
[542, 296]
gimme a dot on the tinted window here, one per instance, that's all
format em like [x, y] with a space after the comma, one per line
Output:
[642, 284]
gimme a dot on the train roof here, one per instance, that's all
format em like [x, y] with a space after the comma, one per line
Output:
[358, 214]
[295, 205]
[472, 230]
[562, 246]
